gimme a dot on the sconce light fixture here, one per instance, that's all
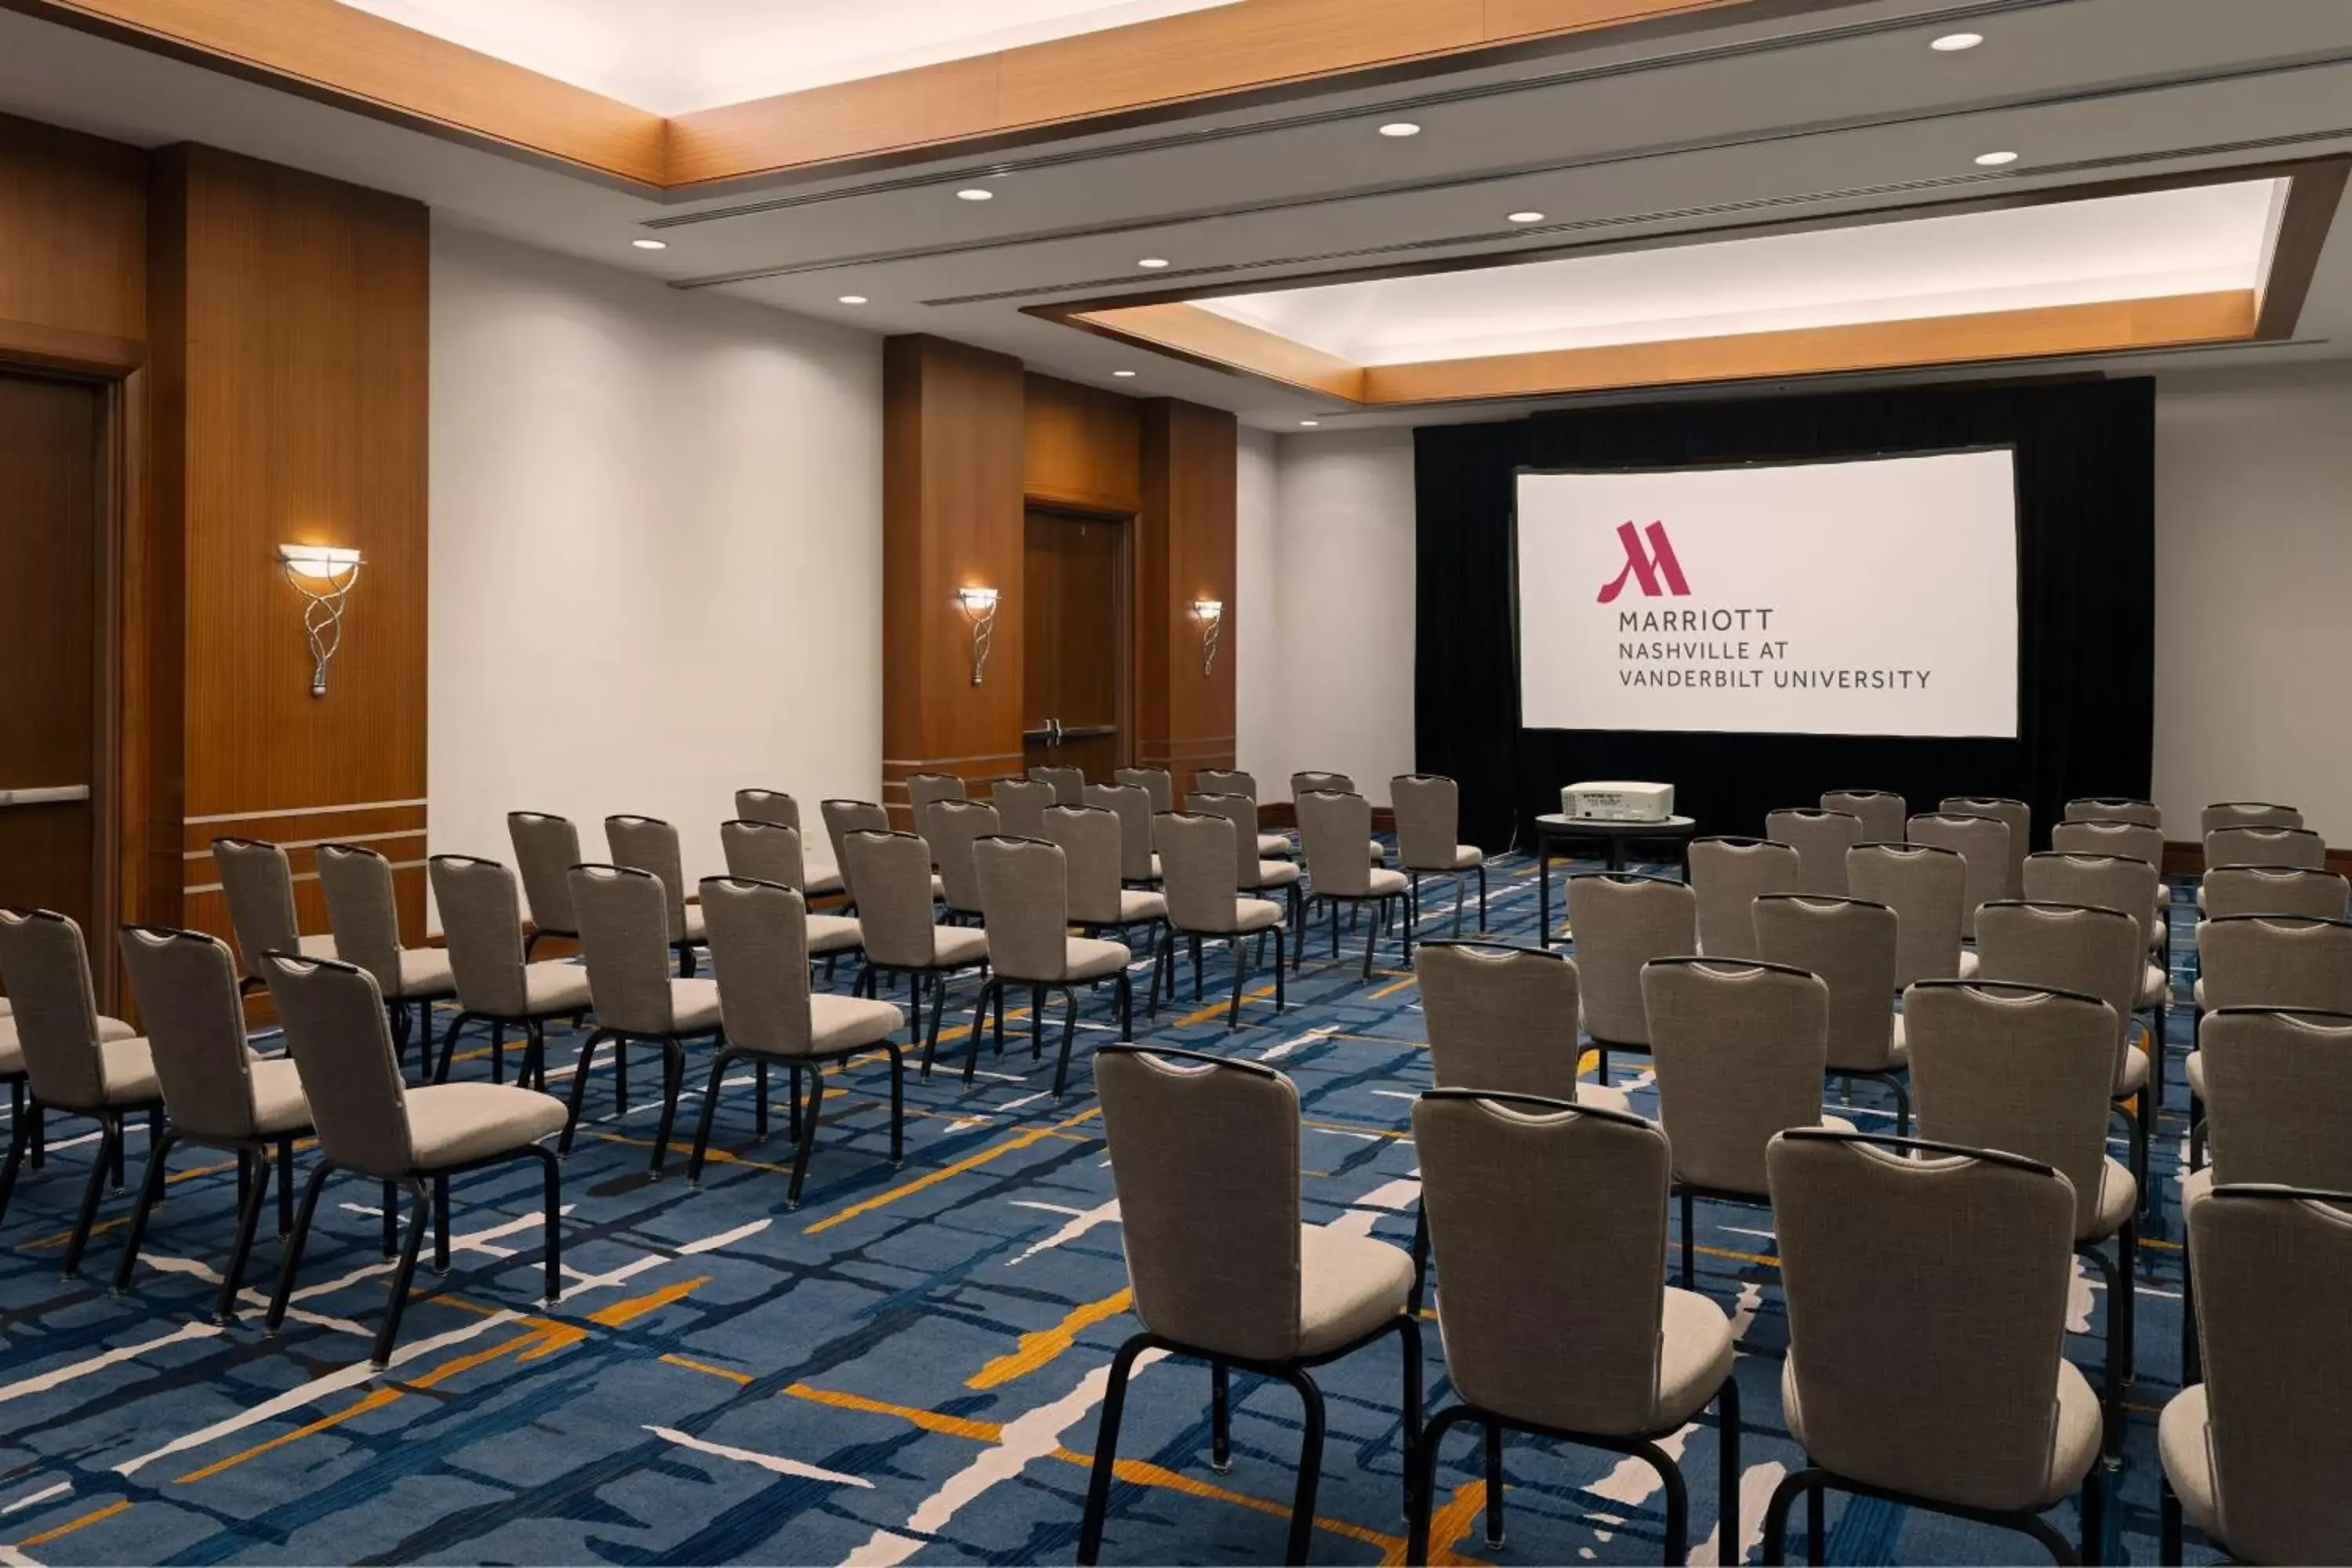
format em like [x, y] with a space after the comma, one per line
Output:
[1211, 614]
[323, 574]
[979, 606]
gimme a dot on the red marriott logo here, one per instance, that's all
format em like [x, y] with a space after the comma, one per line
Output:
[1655, 568]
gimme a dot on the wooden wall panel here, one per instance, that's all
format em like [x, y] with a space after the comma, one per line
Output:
[73, 232]
[1082, 446]
[1184, 717]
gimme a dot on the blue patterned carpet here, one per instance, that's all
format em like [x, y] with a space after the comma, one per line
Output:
[908, 1367]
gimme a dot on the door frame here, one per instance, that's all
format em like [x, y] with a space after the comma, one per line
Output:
[1122, 612]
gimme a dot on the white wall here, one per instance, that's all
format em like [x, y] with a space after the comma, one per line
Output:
[1254, 631]
[656, 551]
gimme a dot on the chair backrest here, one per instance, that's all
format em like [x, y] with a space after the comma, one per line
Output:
[1156, 784]
[1821, 839]
[2276, 1082]
[45, 969]
[842, 819]
[2097, 952]
[761, 851]
[481, 921]
[546, 849]
[1924, 886]
[1333, 828]
[1242, 812]
[1729, 875]
[953, 827]
[893, 879]
[1499, 1017]
[649, 843]
[2274, 890]
[1850, 943]
[925, 789]
[1224, 781]
[1428, 809]
[758, 932]
[1069, 785]
[1020, 805]
[357, 882]
[1024, 892]
[768, 806]
[2246, 814]
[624, 937]
[2013, 814]
[2114, 808]
[1134, 806]
[2133, 840]
[1955, 1266]
[2276, 960]
[2118, 882]
[1741, 1049]
[1883, 812]
[341, 1046]
[185, 982]
[1337, 784]
[1204, 1156]
[1619, 922]
[1196, 859]
[2266, 847]
[1548, 1224]
[1982, 844]
[1093, 852]
[259, 885]
[2020, 1068]
[2273, 1273]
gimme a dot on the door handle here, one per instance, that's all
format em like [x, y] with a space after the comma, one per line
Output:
[46, 795]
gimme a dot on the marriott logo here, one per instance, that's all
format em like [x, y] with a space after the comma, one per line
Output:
[1653, 565]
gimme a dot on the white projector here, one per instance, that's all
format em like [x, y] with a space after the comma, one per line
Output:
[1615, 800]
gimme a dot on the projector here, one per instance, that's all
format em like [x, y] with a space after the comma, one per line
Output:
[1618, 801]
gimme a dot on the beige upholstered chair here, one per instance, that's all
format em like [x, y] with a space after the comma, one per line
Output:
[357, 882]
[2265, 961]
[1925, 888]
[1729, 875]
[1204, 1155]
[1069, 785]
[770, 852]
[1232, 781]
[1196, 851]
[1254, 876]
[1821, 839]
[1020, 805]
[1549, 1223]
[1740, 1048]
[1619, 921]
[1982, 844]
[1428, 820]
[2131, 841]
[371, 1125]
[2273, 890]
[774, 805]
[842, 819]
[2129, 886]
[1157, 784]
[1883, 812]
[1334, 783]
[889, 875]
[1095, 842]
[481, 921]
[1850, 943]
[759, 949]
[1926, 1287]
[951, 828]
[649, 843]
[2114, 808]
[71, 1061]
[2266, 846]
[925, 790]
[1134, 807]
[12, 1073]
[2014, 815]
[623, 935]
[546, 849]
[217, 1093]
[1024, 890]
[2246, 814]
[1331, 826]
[259, 885]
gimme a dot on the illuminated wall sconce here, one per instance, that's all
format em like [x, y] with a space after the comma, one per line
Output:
[1211, 614]
[979, 606]
[323, 574]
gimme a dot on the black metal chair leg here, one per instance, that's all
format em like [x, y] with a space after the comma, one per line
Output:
[2168, 1528]
[808, 1135]
[440, 1224]
[285, 1182]
[1730, 1547]
[110, 1139]
[1069, 1033]
[1280, 1001]
[989, 990]
[1127, 998]
[1221, 1417]
[390, 1211]
[702, 1122]
[403, 1277]
[1670, 1475]
[673, 1081]
[898, 1104]
[1421, 1464]
[291, 1264]
[552, 1174]
[1310, 1465]
[247, 1220]
[448, 1048]
[1409, 1334]
[1420, 1259]
[20, 1134]
[150, 1189]
[1241, 969]
[1494, 1485]
[579, 1089]
[1090, 1521]
[759, 1110]
[2094, 1515]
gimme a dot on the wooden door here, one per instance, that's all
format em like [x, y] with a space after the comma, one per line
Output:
[1074, 623]
[51, 434]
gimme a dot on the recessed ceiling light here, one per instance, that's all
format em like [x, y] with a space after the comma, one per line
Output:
[1122, 374]
[976, 194]
[853, 299]
[1527, 217]
[1155, 262]
[650, 244]
[1400, 127]
[1953, 43]
[1310, 424]
[1995, 160]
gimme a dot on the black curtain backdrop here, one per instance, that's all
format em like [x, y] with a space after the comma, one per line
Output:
[2086, 590]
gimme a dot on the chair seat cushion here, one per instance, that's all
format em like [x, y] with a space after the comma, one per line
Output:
[127, 1067]
[425, 973]
[2155, 987]
[939, 888]
[316, 946]
[1136, 906]
[958, 947]
[2197, 991]
[1969, 964]
[1386, 883]
[1277, 873]
[817, 880]
[1694, 1354]
[2131, 1073]
[694, 1006]
[278, 1104]
[1348, 1286]
[553, 986]
[1273, 844]
[2073, 1437]
[847, 1022]
[693, 922]
[1467, 855]
[1379, 853]
[114, 1029]
[833, 933]
[2184, 1443]
[2118, 1197]
[1089, 958]
[2197, 1074]
[1603, 1097]
[2194, 1185]
[12, 1054]
[457, 1123]
[1255, 914]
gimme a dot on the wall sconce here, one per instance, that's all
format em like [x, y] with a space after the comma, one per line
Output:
[979, 606]
[323, 574]
[1211, 614]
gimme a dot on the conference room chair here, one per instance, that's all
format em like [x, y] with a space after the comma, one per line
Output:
[842, 819]
[1428, 809]
[1331, 826]
[217, 1094]
[1821, 839]
[924, 790]
[776, 806]
[481, 923]
[2256, 1454]
[2114, 808]
[2246, 814]
[1927, 1285]
[951, 828]
[1204, 1156]
[1197, 853]
[546, 847]
[2266, 846]
[2029, 1069]
[1883, 812]
[1069, 785]
[760, 953]
[372, 1125]
[22, 1111]
[1134, 807]
[1020, 805]
[770, 852]
[1925, 887]
[1982, 844]
[2014, 815]
[2132, 840]
[357, 882]
[1254, 876]
[2273, 890]
[1094, 842]
[1619, 921]
[258, 883]
[2129, 886]
[1334, 783]
[1024, 889]
[890, 875]
[1549, 1220]
[1740, 1048]
[1850, 943]
[1157, 784]
[2264, 961]
[623, 937]
[70, 1063]
[1729, 875]
[649, 843]
[1232, 781]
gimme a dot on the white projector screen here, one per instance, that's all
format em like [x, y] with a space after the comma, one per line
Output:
[1873, 596]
